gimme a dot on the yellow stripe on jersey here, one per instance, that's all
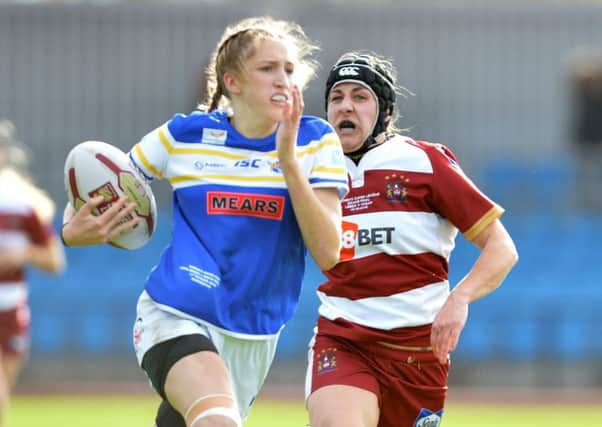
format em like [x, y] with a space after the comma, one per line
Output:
[168, 147]
[146, 163]
[329, 140]
[493, 213]
[208, 152]
[183, 178]
[326, 169]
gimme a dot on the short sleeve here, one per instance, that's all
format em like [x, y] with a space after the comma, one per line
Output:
[457, 198]
[151, 154]
[39, 233]
[329, 169]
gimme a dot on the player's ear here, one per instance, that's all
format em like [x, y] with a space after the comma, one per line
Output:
[231, 83]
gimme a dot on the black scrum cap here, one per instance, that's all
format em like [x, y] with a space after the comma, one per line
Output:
[361, 69]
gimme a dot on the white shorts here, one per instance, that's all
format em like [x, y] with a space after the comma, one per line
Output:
[247, 360]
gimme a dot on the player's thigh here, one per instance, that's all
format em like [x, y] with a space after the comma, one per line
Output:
[14, 341]
[248, 362]
[341, 386]
[11, 367]
[195, 376]
[343, 406]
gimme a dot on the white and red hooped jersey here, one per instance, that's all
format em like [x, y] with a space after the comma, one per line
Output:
[406, 203]
[237, 257]
[19, 227]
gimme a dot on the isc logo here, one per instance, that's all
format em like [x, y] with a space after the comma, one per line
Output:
[248, 163]
[353, 235]
[349, 71]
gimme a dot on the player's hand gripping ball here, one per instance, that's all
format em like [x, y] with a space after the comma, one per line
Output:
[95, 168]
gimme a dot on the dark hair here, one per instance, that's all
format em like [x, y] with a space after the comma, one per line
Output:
[375, 73]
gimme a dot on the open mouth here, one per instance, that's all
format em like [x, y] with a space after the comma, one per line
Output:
[279, 98]
[346, 126]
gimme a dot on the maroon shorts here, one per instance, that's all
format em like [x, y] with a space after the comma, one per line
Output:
[411, 386]
[14, 330]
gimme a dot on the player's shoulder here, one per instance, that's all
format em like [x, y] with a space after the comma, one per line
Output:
[314, 128]
[190, 127]
[14, 190]
[434, 150]
[13, 206]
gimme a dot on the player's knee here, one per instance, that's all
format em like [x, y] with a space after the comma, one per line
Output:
[215, 410]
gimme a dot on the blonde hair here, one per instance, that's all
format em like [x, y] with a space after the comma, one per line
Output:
[239, 42]
[15, 182]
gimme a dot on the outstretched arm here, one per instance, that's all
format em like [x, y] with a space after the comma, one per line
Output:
[497, 258]
[84, 228]
[48, 256]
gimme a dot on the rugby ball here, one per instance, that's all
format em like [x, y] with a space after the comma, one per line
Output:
[94, 168]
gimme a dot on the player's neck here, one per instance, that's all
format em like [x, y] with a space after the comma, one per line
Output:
[251, 126]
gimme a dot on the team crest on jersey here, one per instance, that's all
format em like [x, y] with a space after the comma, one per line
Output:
[327, 360]
[428, 418]
[396, 190]
[214, 136]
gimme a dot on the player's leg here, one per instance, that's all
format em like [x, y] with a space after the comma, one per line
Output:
[11, 367]
[14, 346]
[184, 367]
[198, 386]
[343, 406]
[249, 362]
[414, 388]
[342, 389]
[4, 391]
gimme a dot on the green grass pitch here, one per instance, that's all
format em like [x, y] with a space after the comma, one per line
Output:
[138, 411]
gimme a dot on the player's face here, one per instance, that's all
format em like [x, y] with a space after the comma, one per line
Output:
[267, 79]
[352, 111]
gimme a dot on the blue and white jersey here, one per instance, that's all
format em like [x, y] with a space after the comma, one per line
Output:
[237, 258]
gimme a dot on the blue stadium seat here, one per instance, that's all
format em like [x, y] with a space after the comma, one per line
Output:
[94, 334]
[531, 185]
[49, 333]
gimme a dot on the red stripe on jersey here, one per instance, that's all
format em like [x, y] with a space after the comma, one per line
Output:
[23, 221]
[383, 275]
